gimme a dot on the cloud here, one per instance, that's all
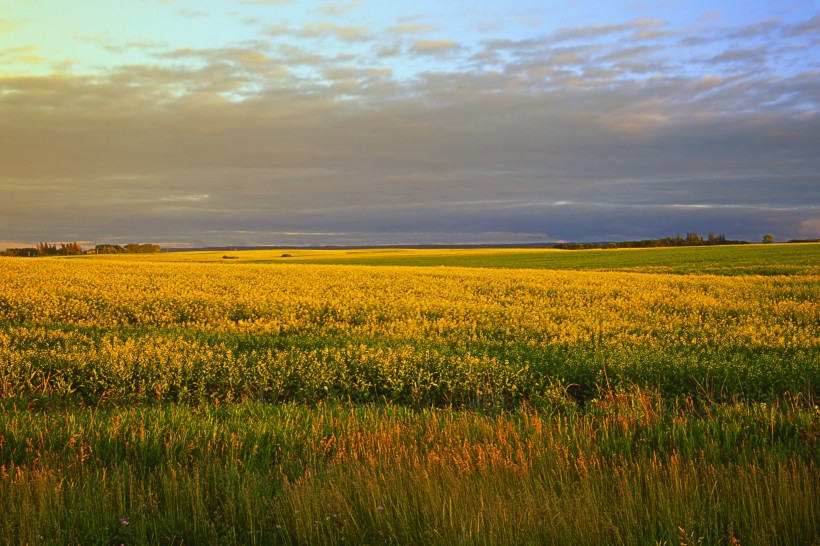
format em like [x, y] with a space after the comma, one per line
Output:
[191, 13]
[810, 227]
[711, 16]
[411, 28]
[489, 26]
[184, 198]
[594, 32]
[25, 54]
[6, 26]
[266, 2]
[755, 55]
[810, 27]
[435, 47]
[337, 10]
[321, 30]
[755, 30]
[92, 38]
[585, 133]
[352, 33]
[145, 44]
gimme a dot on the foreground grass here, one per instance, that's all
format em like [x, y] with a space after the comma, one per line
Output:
[630, 468]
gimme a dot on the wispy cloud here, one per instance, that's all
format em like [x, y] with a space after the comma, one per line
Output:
[435, 47]
[411, 28]
[320, 30]
[809, 28]
[184, 198]
[6, 26]
[191, 13]
[266, 2]
[337, 10]
[26, 54]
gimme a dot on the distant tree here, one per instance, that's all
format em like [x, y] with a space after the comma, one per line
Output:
[768, 238]
[130, 248]
[107, 249]
[136, 248]
[45, 249]
[71, 249]
[692, 239]
[20, 252]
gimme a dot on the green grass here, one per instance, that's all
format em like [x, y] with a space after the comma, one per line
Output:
[720, 260]
[632, 468]
[773, 259]
[75, 365]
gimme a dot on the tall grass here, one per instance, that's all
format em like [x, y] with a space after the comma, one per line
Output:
[628, 469]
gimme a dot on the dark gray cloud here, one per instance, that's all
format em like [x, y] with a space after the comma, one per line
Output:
[590, 133]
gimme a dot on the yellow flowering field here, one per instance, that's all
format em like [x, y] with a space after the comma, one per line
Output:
[170, 330]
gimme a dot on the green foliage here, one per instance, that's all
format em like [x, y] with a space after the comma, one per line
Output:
[692, 239]
[86, 366]
[631, 468]
[20, 252]
[131, 248]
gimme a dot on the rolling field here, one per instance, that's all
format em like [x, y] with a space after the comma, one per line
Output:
[400, 396]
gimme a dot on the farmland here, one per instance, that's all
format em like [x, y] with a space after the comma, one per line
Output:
[412, 396]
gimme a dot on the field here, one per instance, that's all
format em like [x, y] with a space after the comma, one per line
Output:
[718, 260]
[398, 396]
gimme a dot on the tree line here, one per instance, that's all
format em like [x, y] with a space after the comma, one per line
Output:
[692, 238]
[75, 249]
[131, 248]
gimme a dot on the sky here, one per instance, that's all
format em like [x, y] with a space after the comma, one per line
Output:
[366, 122]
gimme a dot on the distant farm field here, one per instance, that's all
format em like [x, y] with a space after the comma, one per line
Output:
[304, 398]
[716, 260]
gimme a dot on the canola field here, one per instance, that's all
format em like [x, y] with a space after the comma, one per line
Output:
[92, 329]
[665, 396]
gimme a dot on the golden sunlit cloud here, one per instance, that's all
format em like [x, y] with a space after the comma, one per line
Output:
[434, 47]
[411, 28]
[6, 26]
[338, 10]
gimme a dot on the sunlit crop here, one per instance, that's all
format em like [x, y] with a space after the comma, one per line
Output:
[418, 335]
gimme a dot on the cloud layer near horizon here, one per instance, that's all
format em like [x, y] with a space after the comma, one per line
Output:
[338, 133]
